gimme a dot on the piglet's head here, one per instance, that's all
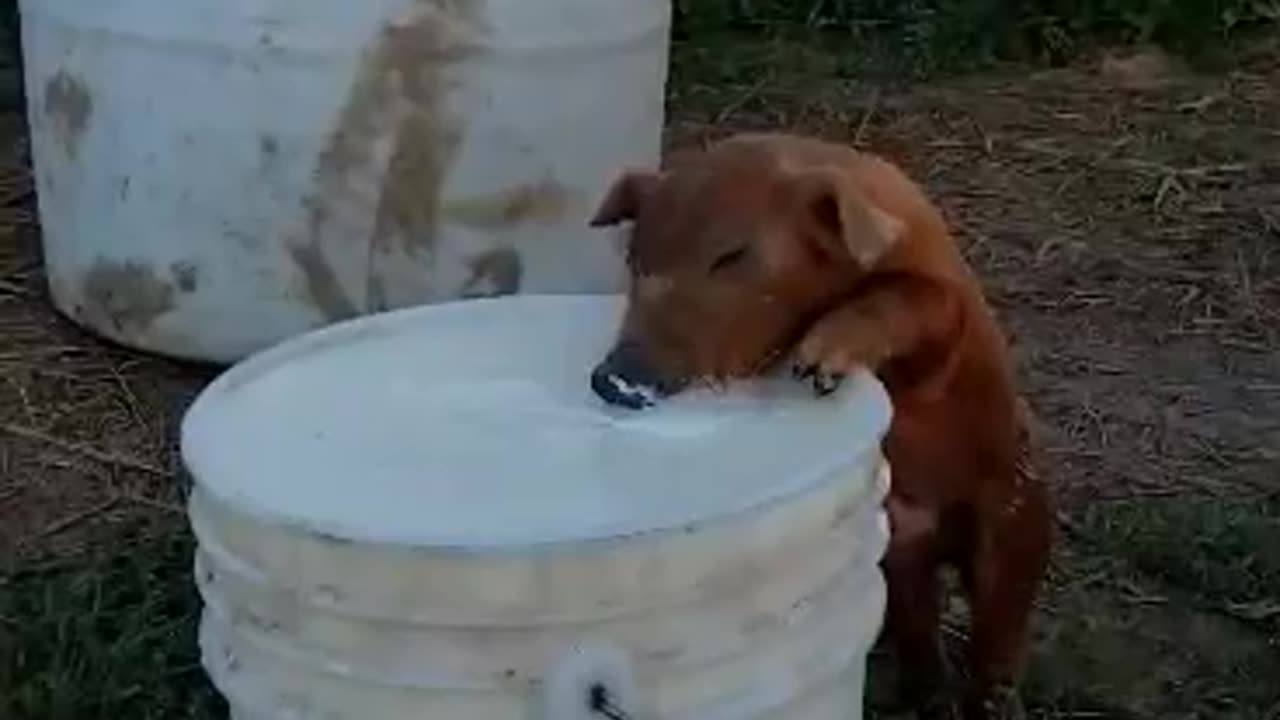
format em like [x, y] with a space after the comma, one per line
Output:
[730, 257]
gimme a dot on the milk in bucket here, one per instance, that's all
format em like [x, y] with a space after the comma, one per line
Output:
[428, 514]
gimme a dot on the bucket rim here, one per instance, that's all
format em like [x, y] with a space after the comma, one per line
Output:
[861, 451]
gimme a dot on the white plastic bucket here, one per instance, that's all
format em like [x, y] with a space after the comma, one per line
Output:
[216, 176]
[426, 513]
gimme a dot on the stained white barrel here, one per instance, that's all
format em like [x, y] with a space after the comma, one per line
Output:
[427, 513]
[216, 176]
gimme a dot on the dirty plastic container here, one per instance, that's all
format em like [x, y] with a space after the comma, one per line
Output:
[216, 176]
[427, 514]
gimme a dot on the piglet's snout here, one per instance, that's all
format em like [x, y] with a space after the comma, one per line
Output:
[625, 379]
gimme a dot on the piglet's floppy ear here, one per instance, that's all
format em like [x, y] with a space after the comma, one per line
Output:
[847, 224]
[624, 200]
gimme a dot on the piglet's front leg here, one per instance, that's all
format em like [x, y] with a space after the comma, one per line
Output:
[891, 316]
[839, 343]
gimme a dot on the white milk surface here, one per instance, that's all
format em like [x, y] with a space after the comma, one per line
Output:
[473, 425]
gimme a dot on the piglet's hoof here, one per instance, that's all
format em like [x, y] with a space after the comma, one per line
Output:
[823, 383]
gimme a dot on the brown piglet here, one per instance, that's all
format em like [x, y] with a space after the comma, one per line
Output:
[767, 247]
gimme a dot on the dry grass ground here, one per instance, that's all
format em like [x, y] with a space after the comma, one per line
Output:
[1128, 232]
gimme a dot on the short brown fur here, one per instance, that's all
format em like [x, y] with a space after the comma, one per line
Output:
[772, 245]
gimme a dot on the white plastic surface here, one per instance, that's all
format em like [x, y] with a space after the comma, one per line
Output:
[485, 432]
[216, 176]
[425, 513]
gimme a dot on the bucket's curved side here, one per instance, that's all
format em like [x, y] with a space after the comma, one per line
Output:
[789, 668]
[214, 178]
[764, 646]
[726, 619]
[538, 585]
[166, 171]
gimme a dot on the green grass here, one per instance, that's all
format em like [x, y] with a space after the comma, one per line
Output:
[1164, 608]
[111, 635]
[1225, 553]
[927, 37]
